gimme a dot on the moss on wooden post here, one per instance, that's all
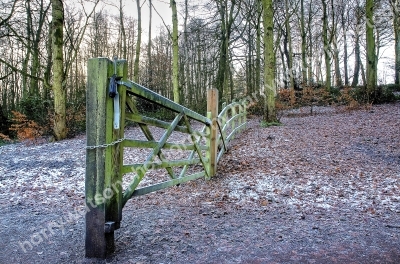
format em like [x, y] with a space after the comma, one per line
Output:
[103, 181]
[233, 111]
[224, 118]
[245, 113]
[114, 153]
[212, 113]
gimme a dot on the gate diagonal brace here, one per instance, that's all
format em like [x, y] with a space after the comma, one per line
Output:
[146, 131]
[198, 150]
[222, 135]
[141, 173]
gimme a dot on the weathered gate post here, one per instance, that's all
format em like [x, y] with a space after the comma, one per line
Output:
[212, 113]
[103, 183]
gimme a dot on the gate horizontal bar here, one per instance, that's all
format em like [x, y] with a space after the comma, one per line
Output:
[153, 97]
[228, 107]
[228, 138]
[153, 122]
[158, 165]
[233, 118]
[132, 143]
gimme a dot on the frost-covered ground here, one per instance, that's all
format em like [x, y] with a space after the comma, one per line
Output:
[319, 189]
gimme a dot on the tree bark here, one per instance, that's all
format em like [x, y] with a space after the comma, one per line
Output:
[289, 48]
[357, 56]
[175, 54]
[310, 45]
[138, 43]
[344, 21]
[396, 26]
[371, 54]
[327, 47]
[227, 20]
[338, 75]
[150, 47]
[269, 67]
[303, 44]
[60, 128]
[258, 48]
[122, 30]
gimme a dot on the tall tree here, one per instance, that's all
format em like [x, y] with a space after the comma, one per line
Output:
[371, 53]
[149, 46]
[258, 46]
[138, 42]
[122, 31]
[289, 47]
[358, 13]
[303, 43]
[227, 16]
[310, 42]
[269, 58]
[396, 27]
[344, 18]
[327, 46]
[60, 127]
[175, 53]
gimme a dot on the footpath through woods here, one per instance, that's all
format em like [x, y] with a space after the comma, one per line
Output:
[319, 189]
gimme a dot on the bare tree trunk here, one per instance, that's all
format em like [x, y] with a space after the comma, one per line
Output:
[122, 30]
[288, 47]
[327, 47]
[357, 56]
[269, 66]
[364, 78]
[227, 20]
[284, 70]
[396, 26]
[222, 64]
[371, 53]
[344, 21]
[303, 44]
[187, 73]
[258, 48]
[357, 61]
[310, 45]
[28, 50]
[138, 43]
[175, 54]
[60, 128]
[150, 47]
[338, 75]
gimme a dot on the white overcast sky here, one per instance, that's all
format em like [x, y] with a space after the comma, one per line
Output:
[161, 6]
[164, 10]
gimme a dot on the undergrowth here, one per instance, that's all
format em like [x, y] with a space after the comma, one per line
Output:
[36, 118]
[351, 98]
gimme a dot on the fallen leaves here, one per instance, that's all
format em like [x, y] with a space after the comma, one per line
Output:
[320, 188]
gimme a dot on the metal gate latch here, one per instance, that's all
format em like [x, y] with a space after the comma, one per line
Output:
[113, 93]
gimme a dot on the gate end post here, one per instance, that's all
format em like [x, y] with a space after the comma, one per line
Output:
[98, 120]
[212, 113]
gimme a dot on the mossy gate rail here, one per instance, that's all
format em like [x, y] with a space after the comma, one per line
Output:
[106, 115]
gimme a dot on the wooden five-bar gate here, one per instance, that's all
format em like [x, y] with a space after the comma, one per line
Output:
[110, 102]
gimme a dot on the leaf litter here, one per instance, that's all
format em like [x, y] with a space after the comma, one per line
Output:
[320, 188]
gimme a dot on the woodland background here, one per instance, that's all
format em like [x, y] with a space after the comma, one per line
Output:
[320, 51]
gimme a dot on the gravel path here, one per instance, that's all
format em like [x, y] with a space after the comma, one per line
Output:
[320, 189]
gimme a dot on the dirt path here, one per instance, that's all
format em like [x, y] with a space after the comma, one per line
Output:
[320, 189]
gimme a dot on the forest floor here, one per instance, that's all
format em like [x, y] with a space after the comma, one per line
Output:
[318, 189]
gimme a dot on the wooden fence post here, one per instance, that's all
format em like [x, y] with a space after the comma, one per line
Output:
[233, 111]
[102, 194]
[245, 113]
[212, 113]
